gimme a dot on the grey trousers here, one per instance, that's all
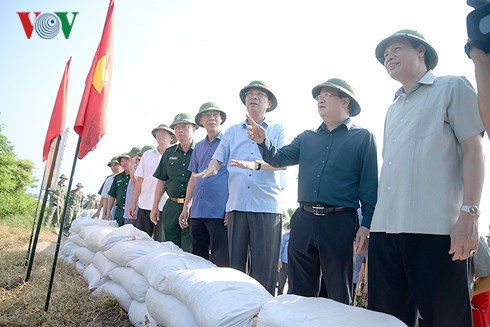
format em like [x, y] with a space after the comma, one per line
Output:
[257, 234]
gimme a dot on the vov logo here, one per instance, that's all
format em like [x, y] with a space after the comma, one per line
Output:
[47, 25]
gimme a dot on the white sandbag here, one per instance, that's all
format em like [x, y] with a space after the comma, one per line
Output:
[83, 221]
[124, 233]
[139, 316]
[290, 310]
[87, 213]
[155, 266]
[75, 238]
[218, 296]
[68, 248]
[93, 277]
[85, 255]
[168, 310]
[80, 266]
[124, 252]
[135, 284]
[116, 291]
[103, 264]
[95, 239]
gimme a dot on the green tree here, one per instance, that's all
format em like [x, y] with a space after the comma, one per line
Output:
[16, 175]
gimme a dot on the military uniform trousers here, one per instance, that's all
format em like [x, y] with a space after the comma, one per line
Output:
[171, 228]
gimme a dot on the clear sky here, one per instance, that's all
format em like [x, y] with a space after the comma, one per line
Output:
[172, 56]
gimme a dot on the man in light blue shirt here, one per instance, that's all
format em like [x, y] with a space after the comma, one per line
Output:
[254, 187]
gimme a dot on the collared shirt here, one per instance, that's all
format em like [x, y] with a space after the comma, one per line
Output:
[75, 199]
[119, 187]
[336, 168]
[421, 182]
[250, 190]
[211, 193]
[147, 166]
[57, 195]
[173, 170]
[283, 250]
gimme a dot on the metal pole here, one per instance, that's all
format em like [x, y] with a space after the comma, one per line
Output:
[43, 207]
[60, 233]
[35, 216]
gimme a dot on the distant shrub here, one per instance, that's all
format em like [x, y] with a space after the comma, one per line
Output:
[17, 203]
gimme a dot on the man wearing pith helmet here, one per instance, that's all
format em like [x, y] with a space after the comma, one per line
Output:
[205, 200]
[115, 167]
[75, 203]
[425, 225]
[173, 176]
[146, 183]
[254, 188]
[56, 203]
[338, 171]
[117, 192]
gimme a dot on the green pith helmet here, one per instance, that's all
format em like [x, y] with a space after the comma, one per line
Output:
[63, 176]
[260, 85]
[209, 106]
[113, 160]
[145, 148]
[79, 185]
[167, 128]
[134, 151]
[183, 118]
[344, 87]
[431, 57]
[124, 155]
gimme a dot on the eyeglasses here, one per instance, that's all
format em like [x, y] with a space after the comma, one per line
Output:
[256, 95]
[325, 94]
[213, 114]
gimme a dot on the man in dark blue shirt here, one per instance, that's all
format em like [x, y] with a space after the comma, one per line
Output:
[337, 171]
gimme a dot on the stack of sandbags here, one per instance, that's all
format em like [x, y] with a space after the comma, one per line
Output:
[217, 297]
[297, 311]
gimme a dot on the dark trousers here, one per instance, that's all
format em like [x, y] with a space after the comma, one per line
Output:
[143, 221]
[322, 246]
[259, 233]
[410, 272]
[283, 275]
[210, 235]
[171, 228]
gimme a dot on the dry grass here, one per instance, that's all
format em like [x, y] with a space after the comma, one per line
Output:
[22, 304]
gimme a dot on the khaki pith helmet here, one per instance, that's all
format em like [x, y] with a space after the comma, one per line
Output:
[263, 86]
[183, 118]
[344, 87]
[209, 106]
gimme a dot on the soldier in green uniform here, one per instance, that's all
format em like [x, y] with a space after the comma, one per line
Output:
[173, 176]
[91, 203]
[56, 201]
[117, 192]
[75, 201]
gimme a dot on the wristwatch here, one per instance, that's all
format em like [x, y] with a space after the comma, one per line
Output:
[472, 210]
[258, 164]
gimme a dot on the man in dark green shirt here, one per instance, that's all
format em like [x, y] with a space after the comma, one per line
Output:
[117, 192]
[173, 176]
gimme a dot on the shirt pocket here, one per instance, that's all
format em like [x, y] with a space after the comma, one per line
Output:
[425, 121]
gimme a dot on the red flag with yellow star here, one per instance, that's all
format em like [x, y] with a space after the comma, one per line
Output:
[57, 121]
[91, 119]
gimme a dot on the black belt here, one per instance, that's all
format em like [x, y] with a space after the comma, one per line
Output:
[178, 200]
[320, 210]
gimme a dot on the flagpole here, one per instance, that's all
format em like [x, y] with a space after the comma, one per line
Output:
[43, 208]
[60, 233]
[35, 216]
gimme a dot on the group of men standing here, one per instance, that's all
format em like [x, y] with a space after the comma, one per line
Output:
[220, 197]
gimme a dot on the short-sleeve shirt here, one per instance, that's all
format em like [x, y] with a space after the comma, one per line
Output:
[211, 193]
[421, 181]
[172, 169]
[147, 166]
[250, 190]
[119, 187]
[106, 186]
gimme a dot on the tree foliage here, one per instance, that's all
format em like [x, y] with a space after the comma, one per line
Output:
[16, 175]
